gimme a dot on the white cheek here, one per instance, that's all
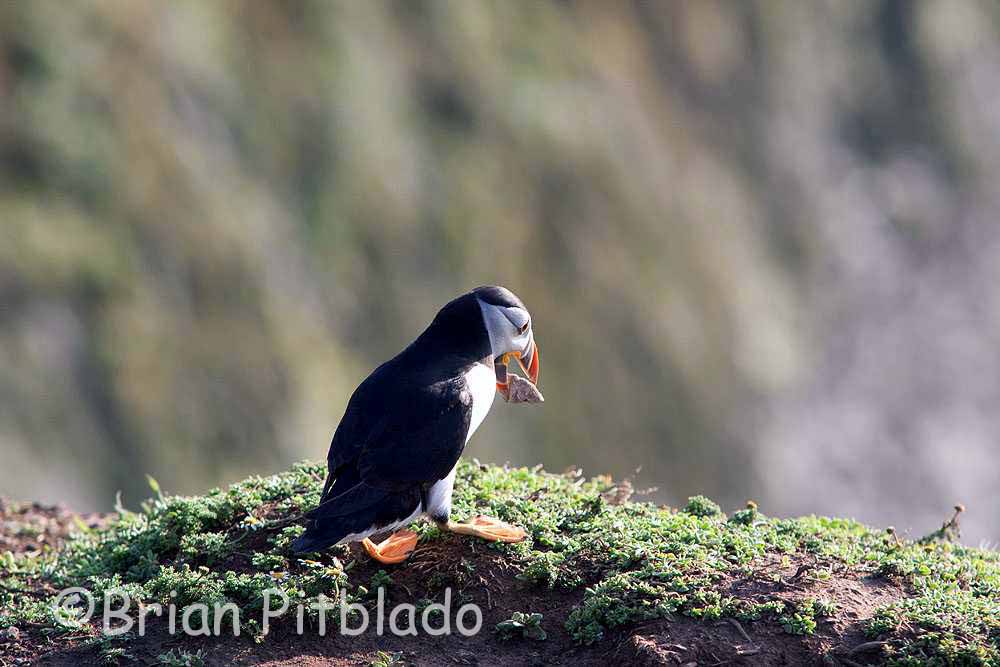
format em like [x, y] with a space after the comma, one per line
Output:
[498, 327]
[482, 383]
[504, 336]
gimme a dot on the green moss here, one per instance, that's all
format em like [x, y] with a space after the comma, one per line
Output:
[631, 561]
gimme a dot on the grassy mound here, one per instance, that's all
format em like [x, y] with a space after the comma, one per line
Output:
[599, 576]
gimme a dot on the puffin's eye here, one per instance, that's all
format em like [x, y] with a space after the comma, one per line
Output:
[518, 318]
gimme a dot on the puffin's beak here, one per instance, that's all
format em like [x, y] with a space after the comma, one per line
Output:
[503, 381]
[527, 359]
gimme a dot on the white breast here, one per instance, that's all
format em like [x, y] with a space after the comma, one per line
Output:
[482, 383]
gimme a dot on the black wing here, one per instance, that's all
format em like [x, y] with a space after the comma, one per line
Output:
[395, 439]
[384, 456]
[422, 445]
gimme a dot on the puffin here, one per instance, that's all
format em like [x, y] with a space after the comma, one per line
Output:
[394, 454]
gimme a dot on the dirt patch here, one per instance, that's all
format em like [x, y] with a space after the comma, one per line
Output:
[31, 527]
[839, 639]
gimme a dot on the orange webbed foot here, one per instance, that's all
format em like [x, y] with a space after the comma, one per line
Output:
[394, 549]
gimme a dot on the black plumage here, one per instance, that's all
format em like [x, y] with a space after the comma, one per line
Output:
[404, 428]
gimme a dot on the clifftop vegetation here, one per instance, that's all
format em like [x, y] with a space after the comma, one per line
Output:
[601, 577]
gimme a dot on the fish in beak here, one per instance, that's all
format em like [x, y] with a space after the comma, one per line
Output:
[527, 359]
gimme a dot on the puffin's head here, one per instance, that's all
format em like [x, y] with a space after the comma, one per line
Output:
[508, 323]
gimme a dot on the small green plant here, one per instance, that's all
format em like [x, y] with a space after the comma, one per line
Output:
[524, 625]
[204, 546]
[949, 530]
[883, 622]
[746, 516]
[701, 506]
[802, 621]
[179, 658]
[269, 562]
[825, 608]
[380, 579]
[387, 659]
[114, 654]
[549, 569]
[112, 650]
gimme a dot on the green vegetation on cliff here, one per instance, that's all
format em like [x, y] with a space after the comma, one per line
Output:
[617, 562]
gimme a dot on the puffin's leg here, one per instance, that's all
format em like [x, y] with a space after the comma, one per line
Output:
[487, 528]
[439, 510]
[394, 549]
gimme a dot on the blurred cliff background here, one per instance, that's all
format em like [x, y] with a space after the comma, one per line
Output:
[760, 240]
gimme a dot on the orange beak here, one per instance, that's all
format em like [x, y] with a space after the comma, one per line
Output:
[526, 359]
